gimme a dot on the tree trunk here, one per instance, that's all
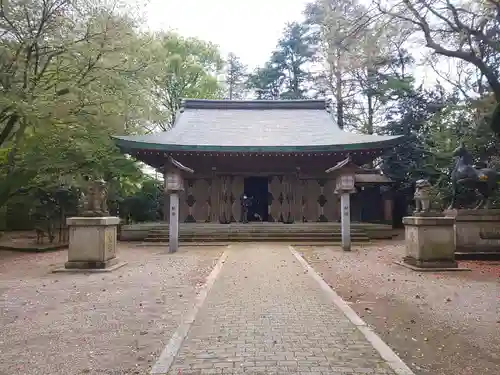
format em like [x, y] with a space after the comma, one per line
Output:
[340, 102]
[369, 125]
[338, 93]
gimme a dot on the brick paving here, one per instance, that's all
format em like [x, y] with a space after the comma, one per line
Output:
[266, 315]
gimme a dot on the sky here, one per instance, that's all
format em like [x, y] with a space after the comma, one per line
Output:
[248, 28]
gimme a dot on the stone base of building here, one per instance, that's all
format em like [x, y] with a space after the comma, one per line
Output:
[92, 244]
[476, 231]
[430, 242]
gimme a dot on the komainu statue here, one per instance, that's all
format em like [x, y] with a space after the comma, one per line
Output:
[422, 196]
[94, 199]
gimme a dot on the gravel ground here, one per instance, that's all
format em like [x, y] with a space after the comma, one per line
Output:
[108, 323]
[439, 323]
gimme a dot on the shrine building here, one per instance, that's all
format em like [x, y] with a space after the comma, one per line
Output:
[280, 152]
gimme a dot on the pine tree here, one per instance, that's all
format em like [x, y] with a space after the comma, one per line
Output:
[235, 77]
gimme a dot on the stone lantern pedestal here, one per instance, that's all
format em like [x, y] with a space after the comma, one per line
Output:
[92, 244]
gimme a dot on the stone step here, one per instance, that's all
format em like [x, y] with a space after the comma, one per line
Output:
[256, 238]
[234, 237]
[290, 234]
[159, 231]
[210, 231]
[257, 232]
[307, 241]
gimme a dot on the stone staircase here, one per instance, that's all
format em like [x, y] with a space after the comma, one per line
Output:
[296, 233]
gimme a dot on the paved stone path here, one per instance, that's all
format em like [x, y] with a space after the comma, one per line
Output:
[266, 315]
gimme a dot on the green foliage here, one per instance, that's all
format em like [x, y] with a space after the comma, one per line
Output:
[285, 75]
[411, 117]
[145, 205]
[434, 122]
[236, 77]
[265, 82]
[183, 68]
[72, 74]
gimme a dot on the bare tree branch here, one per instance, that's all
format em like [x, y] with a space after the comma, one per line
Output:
[456, 28]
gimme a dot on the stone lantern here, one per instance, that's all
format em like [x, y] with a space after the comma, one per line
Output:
[346, 179]
[345, 187]
[174, 183]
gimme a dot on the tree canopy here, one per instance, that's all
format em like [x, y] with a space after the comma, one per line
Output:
[74, 73]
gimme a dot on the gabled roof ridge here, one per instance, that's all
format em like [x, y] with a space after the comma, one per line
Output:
[315, 104]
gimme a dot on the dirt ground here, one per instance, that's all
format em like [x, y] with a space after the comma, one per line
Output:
[108, 323]
[23, 240]
[439, 323]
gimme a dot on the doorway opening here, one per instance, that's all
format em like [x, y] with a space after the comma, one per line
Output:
[256, 188]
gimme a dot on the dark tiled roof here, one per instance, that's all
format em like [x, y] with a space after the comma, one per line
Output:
[253, 104]
[280, 125]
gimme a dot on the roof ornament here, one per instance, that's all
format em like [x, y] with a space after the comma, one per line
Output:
[179, 165]
[346, 163]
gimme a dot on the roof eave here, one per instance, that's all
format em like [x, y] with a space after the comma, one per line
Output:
[130, 145]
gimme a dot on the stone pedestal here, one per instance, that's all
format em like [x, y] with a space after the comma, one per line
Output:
[173, 231]
[430, 242]
[476, 231]
[92, 244]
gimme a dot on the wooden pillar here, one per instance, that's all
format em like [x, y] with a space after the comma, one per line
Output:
[166, 199]
[223, 198]
[299, 196]
[388, 207]
[288, 202]
[237, 189]
[210, 182]
[229, 206]
[215, 198]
